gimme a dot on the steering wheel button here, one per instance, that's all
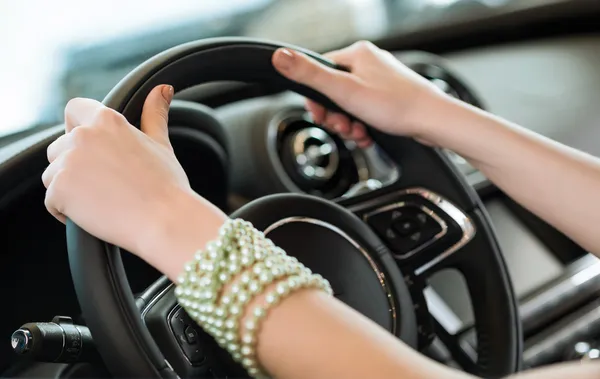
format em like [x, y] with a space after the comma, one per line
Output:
[416, 237]
[396, 214]
[405, 226]
[191, 335]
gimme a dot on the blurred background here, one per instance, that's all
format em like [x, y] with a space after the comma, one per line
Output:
[55, 50]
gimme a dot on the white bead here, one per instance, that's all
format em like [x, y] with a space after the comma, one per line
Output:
[229, 336]
[225, 299]
[245, 261]
[250, 325]
[236, 357]
[233, 348]
[188, 267]
[254, 287]
[218, 324]
[230, 323]
[220, 312]
[281, 289]
[246, 350]
[265, 277]
[259, 312]
[223, 277]
[233, 268]
[292, 283]
[257, 269]
[235, 289]
[271, 299]
[245, 278]
[178, 291]
[247, 362]
[253, 371]
[234, 310]
[248, 338]
[243, 297]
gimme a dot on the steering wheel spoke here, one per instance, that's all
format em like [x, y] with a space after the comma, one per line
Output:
[187, 349]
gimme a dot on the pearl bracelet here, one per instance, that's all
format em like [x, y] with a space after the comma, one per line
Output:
[217, 285]
[252, 325]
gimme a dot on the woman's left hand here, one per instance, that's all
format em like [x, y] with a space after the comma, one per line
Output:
[125, 186]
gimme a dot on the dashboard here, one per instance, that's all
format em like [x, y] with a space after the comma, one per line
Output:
[261, 131]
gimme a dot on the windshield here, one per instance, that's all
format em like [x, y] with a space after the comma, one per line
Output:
[59, 49]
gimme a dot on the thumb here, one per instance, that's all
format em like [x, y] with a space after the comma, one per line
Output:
[301, 68]
[155, 114]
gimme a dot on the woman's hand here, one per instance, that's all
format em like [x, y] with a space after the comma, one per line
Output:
[379, 90]
[125, 186]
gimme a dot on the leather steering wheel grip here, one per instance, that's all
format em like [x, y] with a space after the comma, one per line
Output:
[101, 284]
[185, 65]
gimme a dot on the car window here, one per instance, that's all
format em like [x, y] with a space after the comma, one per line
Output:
[59, 49]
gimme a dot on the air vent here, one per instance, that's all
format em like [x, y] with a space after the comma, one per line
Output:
[317, 161]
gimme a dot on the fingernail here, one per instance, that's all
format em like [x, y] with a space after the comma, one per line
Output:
[168, 92]
[284, 59]
[337, 128]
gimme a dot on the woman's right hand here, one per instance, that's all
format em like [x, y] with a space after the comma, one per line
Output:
[379, 90]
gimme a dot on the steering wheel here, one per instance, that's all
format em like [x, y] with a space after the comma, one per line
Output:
[373, 266]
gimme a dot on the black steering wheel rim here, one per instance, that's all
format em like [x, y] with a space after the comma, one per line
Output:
[101, 285]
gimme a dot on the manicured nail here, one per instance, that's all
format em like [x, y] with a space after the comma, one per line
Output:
[168, 92]
[284, 59]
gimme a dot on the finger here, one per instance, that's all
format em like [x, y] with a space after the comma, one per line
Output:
[52, 169]
[360, 135]
[339, 123]
[80, 111]
[358, 131]
[49, 202]
[155, 114]
[316, 110]
[301, 68]
[58, 146]
[347, 56]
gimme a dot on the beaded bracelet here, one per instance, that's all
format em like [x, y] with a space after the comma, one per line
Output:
[217, 285]
[259, 312]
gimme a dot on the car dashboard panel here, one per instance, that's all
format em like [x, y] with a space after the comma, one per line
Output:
[514, 81]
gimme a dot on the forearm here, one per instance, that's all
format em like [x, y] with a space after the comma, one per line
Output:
[311, 335]
[554, 181]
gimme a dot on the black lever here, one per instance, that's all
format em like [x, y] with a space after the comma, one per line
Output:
[59, 341]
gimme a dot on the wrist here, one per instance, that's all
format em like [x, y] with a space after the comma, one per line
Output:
[440, 120]
[181, 224]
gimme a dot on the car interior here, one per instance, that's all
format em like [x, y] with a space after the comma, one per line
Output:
[413, 237]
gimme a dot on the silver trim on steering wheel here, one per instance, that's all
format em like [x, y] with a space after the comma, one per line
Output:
[458, 216]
